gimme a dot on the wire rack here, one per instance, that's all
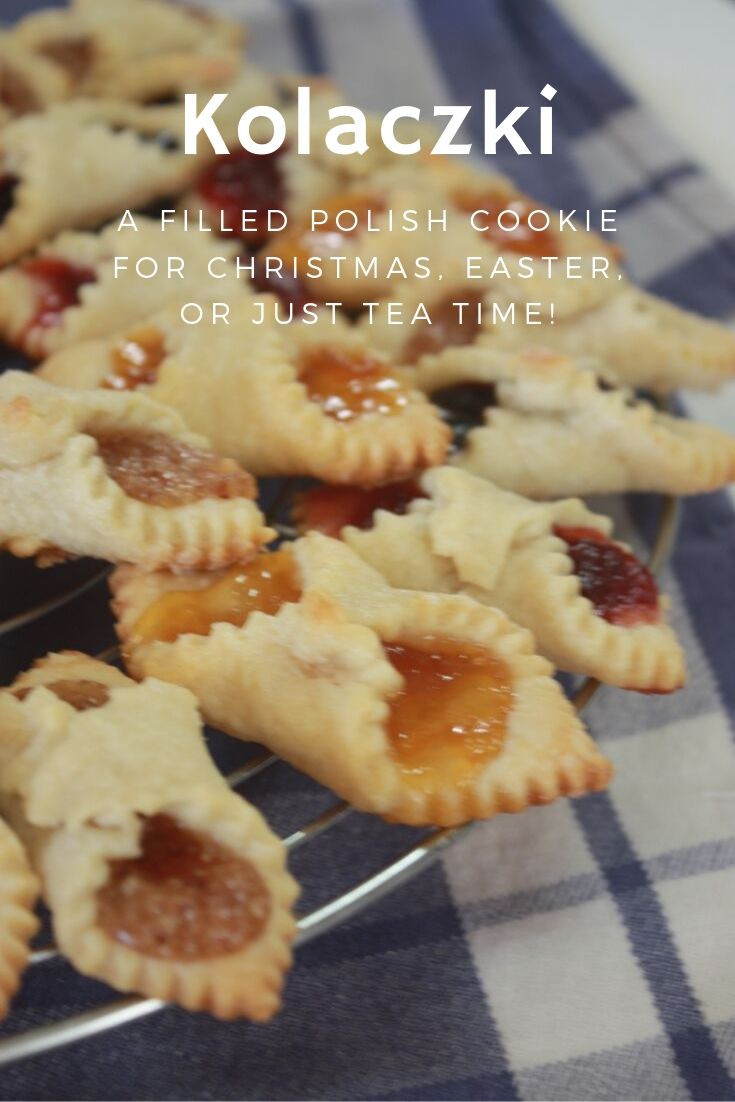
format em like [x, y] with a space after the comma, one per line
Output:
[321, 919]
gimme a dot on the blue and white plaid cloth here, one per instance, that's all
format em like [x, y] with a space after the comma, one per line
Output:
[585, 950]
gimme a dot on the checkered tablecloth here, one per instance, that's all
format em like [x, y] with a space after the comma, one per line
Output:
[584, 950]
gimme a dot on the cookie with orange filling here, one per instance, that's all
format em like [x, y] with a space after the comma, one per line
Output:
[303, 399]
[419, 707]
[117, 476]
[69, 290]
[553, 427]
[160, 880]
[591, 604]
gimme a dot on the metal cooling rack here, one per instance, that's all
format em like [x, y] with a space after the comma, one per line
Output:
[119, 1012]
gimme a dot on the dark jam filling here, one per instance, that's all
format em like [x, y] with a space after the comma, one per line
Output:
[245, 181]
[329, 509]
[621, 589]
[59, 284]
[286, 287]
[463, 407]
[8, 184]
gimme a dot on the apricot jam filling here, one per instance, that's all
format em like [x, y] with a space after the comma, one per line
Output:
[16, 93]
[446, 329]
[160, 470]
[136, 359]
[621, 589]
[521, 239]
[74, 55]
[349, 383]
[184, 898]
[262, 585]
[80, 693]
[329, 509]
[245, 181]
[58, 285]
[450, 717]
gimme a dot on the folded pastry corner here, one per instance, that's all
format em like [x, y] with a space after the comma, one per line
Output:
[423, 708]
[116, 476]
[125, 156]
[159, 879]
[646, 342]
[555, 427]
[18, 893]
[309, 399]
[553, 568]
[641, 340]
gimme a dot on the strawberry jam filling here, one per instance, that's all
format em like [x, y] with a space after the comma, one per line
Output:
[58, 284]
[329, 509]
[450, 717]
[263, 585]
[160, 470]
[520, 239]
[349, 383]
[136, 360]
[80, 693]
[620, 588]
[245, 181]
[446, 330]
[185, 897]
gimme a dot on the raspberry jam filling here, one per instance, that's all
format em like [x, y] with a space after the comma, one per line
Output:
[446, 329]
[450, 717]
[522, 239]
[621, 589]
[290, 290]
[263, 585]
[80, 693]
[16, 93]
[136, 360]
[349, 383]
[329, 509]
[245, 181]
[74, 55]
[160, 470]
[185, 897]
[58, 285]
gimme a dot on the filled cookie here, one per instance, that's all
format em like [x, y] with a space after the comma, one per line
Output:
[423, 708]
[118, 477]
[159, 879]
